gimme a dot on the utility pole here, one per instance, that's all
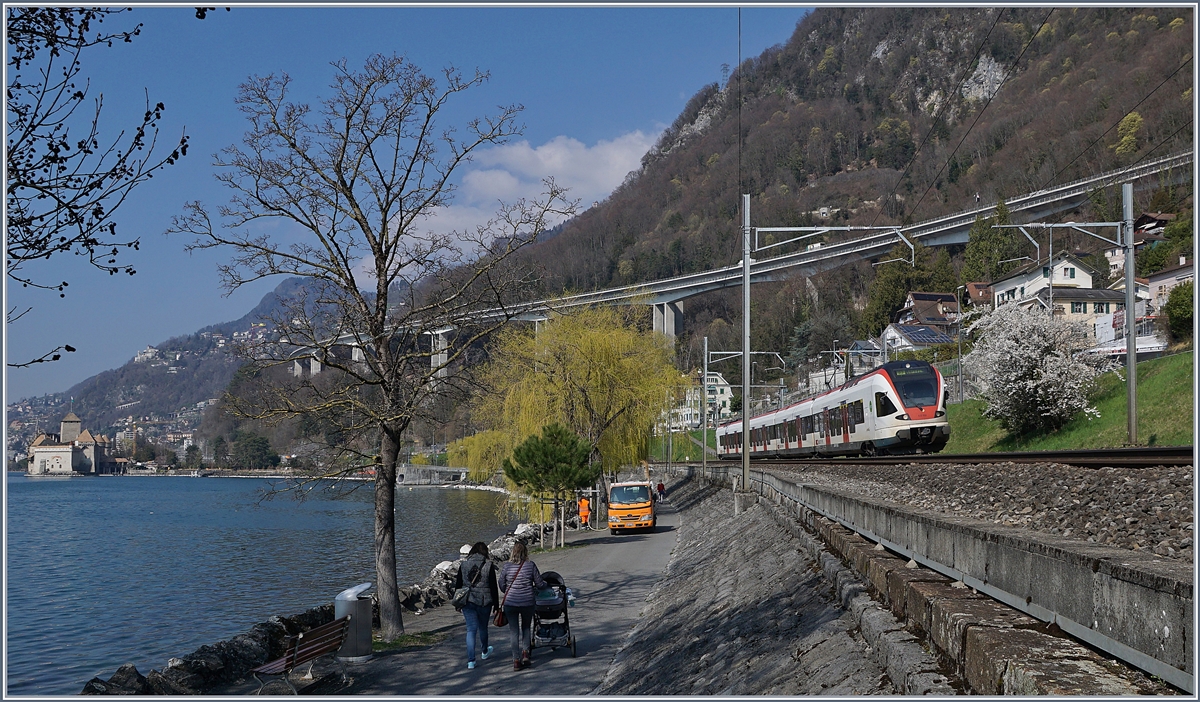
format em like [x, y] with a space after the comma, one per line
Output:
[745, 342]
[704, 423]
[958, 300]
[1130, 312]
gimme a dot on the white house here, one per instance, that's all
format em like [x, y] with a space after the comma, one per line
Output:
[1161, 283]
[719, 394]
[1066, 270]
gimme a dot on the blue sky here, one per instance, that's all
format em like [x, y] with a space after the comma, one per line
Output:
[598, 86]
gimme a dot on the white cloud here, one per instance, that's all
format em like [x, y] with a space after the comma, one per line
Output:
[513, 171]
[516, 170]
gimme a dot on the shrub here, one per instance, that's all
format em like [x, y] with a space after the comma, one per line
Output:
[1033, 371]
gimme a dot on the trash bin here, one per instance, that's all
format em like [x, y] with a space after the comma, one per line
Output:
[357, 647]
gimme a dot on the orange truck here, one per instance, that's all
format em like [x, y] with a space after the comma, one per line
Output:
[631, 506]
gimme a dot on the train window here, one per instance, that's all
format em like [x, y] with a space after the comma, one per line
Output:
[848, 412]
[885, 405]
[859, 417]
[793, 432]
[820, 424]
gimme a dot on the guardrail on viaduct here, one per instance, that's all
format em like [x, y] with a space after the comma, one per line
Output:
[1131, 605]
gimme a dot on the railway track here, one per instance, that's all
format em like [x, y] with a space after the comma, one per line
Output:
[1139, 457]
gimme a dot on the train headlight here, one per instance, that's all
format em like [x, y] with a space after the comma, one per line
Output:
[903, 416]
[939, 413]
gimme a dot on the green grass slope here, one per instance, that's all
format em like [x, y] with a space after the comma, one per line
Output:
[1165, 402]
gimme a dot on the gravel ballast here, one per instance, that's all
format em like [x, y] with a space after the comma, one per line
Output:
[1143, 509]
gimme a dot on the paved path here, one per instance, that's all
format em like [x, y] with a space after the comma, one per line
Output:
[611, 576]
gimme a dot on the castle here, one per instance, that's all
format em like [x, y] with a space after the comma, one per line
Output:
[70, 452]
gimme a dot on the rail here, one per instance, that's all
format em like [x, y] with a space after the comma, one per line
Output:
[1132, 457]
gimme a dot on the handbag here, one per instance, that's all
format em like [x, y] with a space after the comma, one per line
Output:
[501, 618]
[459, 600]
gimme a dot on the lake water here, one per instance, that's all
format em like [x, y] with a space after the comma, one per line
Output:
[107, 571]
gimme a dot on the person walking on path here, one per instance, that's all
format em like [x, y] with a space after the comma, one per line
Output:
[661, 491]
[585, 511]
[479, 574]
[519, 581]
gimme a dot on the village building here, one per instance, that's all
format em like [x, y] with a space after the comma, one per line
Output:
[912, 337]
[72, 451]
[938, 310]
[1160, 284]
[979, 294]
[1064, 271]
[1147, 233]
[1079, 305]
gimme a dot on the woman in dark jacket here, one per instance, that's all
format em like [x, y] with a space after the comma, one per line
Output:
[520, 580]
[479, 573]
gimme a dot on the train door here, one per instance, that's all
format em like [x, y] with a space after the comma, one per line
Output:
[845, 423]
[826, 427]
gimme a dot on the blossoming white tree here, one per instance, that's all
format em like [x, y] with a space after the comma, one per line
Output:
[1031, 369]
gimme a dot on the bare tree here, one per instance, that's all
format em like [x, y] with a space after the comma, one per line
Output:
[390, 309]
[63, 186]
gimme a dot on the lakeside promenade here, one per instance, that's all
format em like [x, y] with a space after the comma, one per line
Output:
[641, 630]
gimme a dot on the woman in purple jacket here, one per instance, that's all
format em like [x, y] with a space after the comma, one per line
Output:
[519, 581]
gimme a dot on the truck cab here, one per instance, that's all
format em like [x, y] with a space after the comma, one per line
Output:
[631, 506]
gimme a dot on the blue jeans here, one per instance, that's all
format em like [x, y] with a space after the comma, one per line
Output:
[520, 623]
[476, 618]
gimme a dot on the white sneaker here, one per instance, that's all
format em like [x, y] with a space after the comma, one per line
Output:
[470, 665]
[486, 653]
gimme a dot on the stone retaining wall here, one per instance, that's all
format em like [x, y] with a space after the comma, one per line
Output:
[994, 648]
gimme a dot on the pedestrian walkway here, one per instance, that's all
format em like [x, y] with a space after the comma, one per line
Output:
[611, 577]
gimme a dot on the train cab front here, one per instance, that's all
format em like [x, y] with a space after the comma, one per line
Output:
[922, 425]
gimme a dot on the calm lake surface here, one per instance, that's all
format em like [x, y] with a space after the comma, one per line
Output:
[107, 571]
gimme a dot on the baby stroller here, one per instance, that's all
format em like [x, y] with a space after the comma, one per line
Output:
[551, 621]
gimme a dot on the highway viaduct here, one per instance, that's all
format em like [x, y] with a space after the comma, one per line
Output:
[667, 295]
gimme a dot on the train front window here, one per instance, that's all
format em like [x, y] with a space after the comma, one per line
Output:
[917, 393]
[916, 384]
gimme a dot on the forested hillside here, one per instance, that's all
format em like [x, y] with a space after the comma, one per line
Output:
[884, 116]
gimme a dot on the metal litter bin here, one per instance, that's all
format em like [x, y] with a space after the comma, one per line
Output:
[357, 647]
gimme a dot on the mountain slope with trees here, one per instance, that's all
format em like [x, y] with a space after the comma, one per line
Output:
[884, 116]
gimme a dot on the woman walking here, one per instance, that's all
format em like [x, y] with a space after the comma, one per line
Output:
[520, 580]
[478, 573]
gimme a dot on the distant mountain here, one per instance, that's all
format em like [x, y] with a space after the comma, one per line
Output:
[170, 378]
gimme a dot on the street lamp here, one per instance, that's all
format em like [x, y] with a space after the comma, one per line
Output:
[958, 301]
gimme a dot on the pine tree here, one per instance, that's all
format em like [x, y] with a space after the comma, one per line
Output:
[555, 463]
[989, 246]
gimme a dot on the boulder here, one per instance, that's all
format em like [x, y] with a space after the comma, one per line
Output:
[126, 681]
[162, 685]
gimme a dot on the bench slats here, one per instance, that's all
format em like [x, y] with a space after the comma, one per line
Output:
[308, 646]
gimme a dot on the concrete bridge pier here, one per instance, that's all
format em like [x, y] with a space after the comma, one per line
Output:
[668, 318]
[441, 354]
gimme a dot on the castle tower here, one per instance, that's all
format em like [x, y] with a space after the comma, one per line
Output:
[69, 429]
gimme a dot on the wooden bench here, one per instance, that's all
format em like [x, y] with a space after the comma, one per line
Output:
[306, 647]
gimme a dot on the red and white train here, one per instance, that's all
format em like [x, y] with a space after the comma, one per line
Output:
[897, 408]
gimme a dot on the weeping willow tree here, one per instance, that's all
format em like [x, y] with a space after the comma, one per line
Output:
[481, 454]
[599, 372]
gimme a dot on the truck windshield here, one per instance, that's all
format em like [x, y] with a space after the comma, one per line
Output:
[629, 494]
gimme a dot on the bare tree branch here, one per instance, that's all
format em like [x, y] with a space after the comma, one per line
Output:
[390, 310]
